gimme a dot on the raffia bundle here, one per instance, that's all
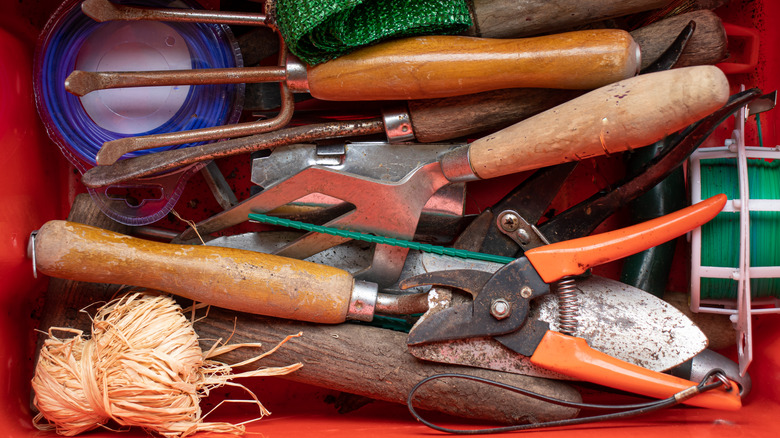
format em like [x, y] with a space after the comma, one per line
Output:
[142, 367]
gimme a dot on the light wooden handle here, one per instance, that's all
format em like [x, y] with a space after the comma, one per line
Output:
[442, 66]
[628, 114]
[518, 18]
[234, 279]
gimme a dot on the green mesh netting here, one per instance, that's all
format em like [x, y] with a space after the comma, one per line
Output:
[317, 30]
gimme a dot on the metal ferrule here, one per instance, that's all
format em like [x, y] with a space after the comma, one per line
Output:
[398, 124]
[638, 55]
[456, 167]
[31, 252]
[297, 78]
[363, 303]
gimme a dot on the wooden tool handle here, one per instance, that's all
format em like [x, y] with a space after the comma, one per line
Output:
[628, 114]
[65, 298]
[375, 363]
[442, 66]
[452, 117]
[234, 279]
[708, 44]
[518, 18]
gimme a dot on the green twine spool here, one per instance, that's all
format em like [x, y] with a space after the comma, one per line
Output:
[720, 237]
[316, 31]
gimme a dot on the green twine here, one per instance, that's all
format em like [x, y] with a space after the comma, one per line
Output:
[356, 235]
[720, 237]
[316, 31]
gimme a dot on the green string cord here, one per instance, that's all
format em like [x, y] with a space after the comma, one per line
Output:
[758, 127]
[442, 250]
[720, 237]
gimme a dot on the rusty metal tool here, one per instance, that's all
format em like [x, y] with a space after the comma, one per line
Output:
[102, 10]
[426, 120]
[580, 60]
[420, 68]
[410, 68]
[133, 168]
[484, 14]
[501, 302]
[624, 115]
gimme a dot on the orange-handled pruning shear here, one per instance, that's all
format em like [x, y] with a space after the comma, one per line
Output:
[501, 304]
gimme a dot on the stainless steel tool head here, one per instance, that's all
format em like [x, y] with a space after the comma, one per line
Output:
[389, 185]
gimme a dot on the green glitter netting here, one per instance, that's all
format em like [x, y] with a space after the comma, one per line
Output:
[316, 31]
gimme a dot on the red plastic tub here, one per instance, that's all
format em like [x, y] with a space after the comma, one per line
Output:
[38, 184]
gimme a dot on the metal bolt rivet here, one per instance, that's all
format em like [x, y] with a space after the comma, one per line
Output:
[500, 308]
[509, 221]
[526, 292]
[523, 236]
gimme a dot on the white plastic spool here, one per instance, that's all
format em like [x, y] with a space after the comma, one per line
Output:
[743, 307]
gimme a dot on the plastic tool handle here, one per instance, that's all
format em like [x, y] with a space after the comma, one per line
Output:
[442, 66]
[234, 279]
[574, 257]
[573, 357]
[625, 115]
[516, 18]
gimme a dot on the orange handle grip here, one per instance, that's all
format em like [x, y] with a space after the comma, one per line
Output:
[442, 66]
[573, 357]
[234, 279]
[573, 257]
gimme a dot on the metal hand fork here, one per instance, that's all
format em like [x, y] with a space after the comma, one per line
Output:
[104, 10]
[407, 68]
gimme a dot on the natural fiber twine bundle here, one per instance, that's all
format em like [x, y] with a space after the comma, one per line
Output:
[142, 367]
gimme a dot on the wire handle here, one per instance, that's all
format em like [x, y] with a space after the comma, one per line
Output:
[713, 380]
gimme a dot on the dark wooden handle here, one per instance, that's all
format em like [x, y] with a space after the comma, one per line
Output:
[235, 279]
[628, 114]
[442, 66]
[518, 18]
[453, 117]
[375, 363]
[708, 44]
